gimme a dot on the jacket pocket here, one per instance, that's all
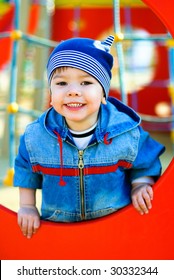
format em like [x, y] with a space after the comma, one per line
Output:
[100, 213]
[62, 216]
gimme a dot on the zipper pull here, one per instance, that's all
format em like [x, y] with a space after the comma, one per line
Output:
[81, 163]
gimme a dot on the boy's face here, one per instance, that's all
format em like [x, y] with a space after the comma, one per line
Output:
[77, 96]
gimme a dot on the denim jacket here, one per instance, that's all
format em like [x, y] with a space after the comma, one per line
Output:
[84, 184]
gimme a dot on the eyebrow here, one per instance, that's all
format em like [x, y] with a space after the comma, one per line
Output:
[57, 75]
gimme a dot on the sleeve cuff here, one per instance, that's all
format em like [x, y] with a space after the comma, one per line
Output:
[144, 179]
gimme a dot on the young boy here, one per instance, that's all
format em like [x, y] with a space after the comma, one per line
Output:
[87, 153]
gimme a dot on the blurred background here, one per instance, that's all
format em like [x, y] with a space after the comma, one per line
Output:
[142, 73]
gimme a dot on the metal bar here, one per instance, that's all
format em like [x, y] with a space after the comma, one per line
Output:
[13, 87]
[119, 49]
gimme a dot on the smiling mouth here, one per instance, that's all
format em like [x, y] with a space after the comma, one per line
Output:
[74, 105]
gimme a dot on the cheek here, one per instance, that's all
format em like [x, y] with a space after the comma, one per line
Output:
[54, 101]
[98, 100]
[55, 97]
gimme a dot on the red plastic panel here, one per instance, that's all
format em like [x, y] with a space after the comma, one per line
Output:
[164, 10]
[122, 235]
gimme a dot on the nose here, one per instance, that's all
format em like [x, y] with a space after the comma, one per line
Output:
[73, 91]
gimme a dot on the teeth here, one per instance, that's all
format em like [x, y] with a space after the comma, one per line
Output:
[74, 105]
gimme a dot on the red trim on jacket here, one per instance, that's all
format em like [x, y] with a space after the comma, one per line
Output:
[75, 171]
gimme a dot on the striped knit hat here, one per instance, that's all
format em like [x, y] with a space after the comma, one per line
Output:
[89, 55]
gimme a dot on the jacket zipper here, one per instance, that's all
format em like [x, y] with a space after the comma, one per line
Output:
[82, 193]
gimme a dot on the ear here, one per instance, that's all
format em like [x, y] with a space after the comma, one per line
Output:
[50, 96]
[103, 101]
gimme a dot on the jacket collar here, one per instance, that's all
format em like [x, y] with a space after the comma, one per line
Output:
[115, 118]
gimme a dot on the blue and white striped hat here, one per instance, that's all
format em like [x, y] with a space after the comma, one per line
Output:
[91, 56]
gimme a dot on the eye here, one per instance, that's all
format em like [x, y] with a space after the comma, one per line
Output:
[86, 83]
[61, 83]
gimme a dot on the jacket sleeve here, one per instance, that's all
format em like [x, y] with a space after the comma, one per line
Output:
[24, 176]
[147, 161]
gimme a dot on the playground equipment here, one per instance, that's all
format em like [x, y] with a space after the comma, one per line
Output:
[122, 235]
[14, 109]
